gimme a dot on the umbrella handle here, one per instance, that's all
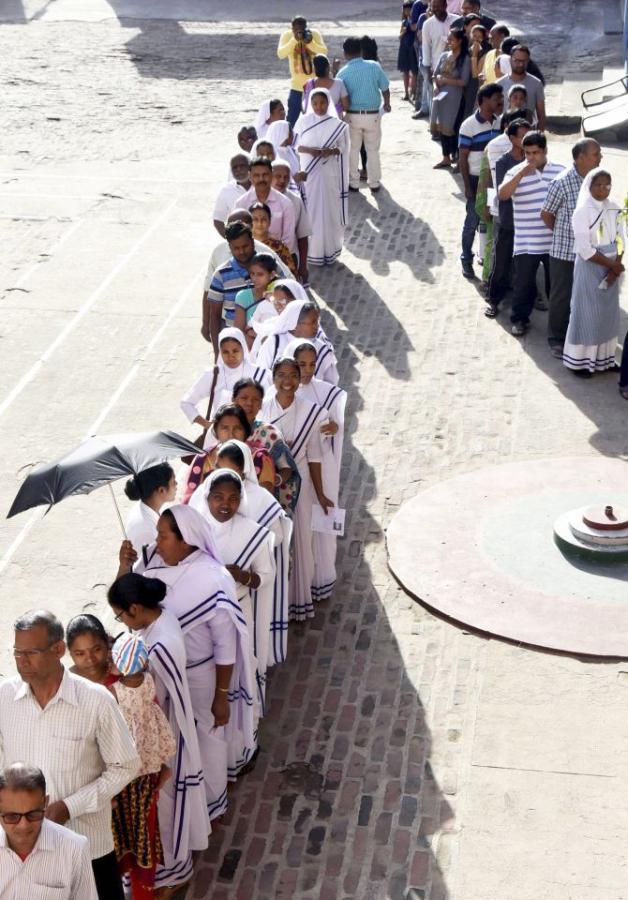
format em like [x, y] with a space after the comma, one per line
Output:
[115, 503]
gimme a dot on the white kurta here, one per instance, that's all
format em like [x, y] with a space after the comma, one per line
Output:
[333, 401]
[141, 526]
[300, 426]
[183, 819]
[203, 598]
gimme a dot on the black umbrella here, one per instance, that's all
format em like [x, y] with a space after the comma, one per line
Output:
[98, 461]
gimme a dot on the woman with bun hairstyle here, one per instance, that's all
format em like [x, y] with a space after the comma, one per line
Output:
[202, 595]
[136, 602]
[151, 490]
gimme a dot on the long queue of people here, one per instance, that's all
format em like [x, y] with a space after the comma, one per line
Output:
[141, 737]
[484, 96]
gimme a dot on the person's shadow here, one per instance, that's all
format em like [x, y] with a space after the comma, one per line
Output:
[382, 231]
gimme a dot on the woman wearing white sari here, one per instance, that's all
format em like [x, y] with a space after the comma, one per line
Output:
[233, 364]
[281, 137]
[300, 319]
[150, 490]
[323, 145]
[300, 422]
[202, 596]
[594, 318]
[261, 507]
[270, 111]
[246, 550]
[333, 400]
[136, 601]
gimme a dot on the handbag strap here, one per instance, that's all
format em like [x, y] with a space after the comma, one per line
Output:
[212, 391]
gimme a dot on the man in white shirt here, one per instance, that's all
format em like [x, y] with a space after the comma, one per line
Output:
[283, 220]
[281, 180]
[74, 732]
[37, 857]
[229, 195]
[434, 37]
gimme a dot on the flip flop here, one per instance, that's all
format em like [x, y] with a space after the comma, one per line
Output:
[442, 165]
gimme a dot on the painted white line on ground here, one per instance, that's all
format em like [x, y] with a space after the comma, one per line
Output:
[119, 179]
[39, 196]
[95, 426]
[27, 274]
[84, 309]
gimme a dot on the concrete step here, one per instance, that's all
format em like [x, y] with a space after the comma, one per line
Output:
[563, 101]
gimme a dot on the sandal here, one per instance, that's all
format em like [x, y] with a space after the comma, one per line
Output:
[491, 311]
[443, 164]
[624, 392]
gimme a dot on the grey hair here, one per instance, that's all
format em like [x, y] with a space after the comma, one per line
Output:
[582, 146]
[22, 777]
[36, 617]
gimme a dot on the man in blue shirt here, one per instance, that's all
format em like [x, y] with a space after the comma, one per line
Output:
[366, 84]
[229, 278]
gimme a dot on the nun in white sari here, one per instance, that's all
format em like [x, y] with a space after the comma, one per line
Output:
[332, 400]
[261, 507]
[182, 809]
[598, 229]
[280, 136]
[300, 319]
[270, 111]
[322, 142]
[246, 549]
[232, 365]
[202, 596]
[300, 422]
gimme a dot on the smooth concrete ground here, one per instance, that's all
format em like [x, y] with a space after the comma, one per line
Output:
[400, 752]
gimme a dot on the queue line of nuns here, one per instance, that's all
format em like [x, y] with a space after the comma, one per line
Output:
[211, 585]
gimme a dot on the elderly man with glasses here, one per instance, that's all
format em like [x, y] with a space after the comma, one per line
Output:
[74, 732]
[37, 857]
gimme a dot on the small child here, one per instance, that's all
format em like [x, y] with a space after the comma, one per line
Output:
[262, 272]
[134, 816]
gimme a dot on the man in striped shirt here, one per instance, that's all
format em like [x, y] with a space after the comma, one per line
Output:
[475, 133]
[527, 185]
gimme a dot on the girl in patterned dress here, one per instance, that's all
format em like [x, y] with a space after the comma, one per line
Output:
[134, 818]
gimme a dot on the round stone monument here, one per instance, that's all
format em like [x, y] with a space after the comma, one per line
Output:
[535, 551]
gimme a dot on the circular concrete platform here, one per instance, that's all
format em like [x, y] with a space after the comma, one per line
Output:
[480, 549]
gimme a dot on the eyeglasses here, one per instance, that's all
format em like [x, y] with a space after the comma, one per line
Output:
[33, 815]
[19, 654]
[119, 618]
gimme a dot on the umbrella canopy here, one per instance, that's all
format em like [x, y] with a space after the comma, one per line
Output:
[99, 460]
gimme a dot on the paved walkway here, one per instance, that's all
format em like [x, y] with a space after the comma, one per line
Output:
[402, 756]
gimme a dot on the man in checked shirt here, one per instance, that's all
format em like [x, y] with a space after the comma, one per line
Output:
[73, 731]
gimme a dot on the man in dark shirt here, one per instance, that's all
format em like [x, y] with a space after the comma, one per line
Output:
[505, 229]
[472, 6]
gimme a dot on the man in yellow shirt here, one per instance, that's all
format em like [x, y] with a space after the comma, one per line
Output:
[299, 46]
[497, 34]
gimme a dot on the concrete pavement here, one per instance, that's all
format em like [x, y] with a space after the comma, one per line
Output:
[401, 754]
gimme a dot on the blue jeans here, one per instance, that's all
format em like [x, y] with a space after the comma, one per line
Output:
[471, 222]
[427, 91]
[295, 99]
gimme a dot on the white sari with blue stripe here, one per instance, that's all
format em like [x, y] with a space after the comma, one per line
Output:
[183, 819]
[300, 425]
[327, 185]
[333, 400]
[203, 598]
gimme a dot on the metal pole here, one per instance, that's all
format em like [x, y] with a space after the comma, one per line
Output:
[115, 503]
